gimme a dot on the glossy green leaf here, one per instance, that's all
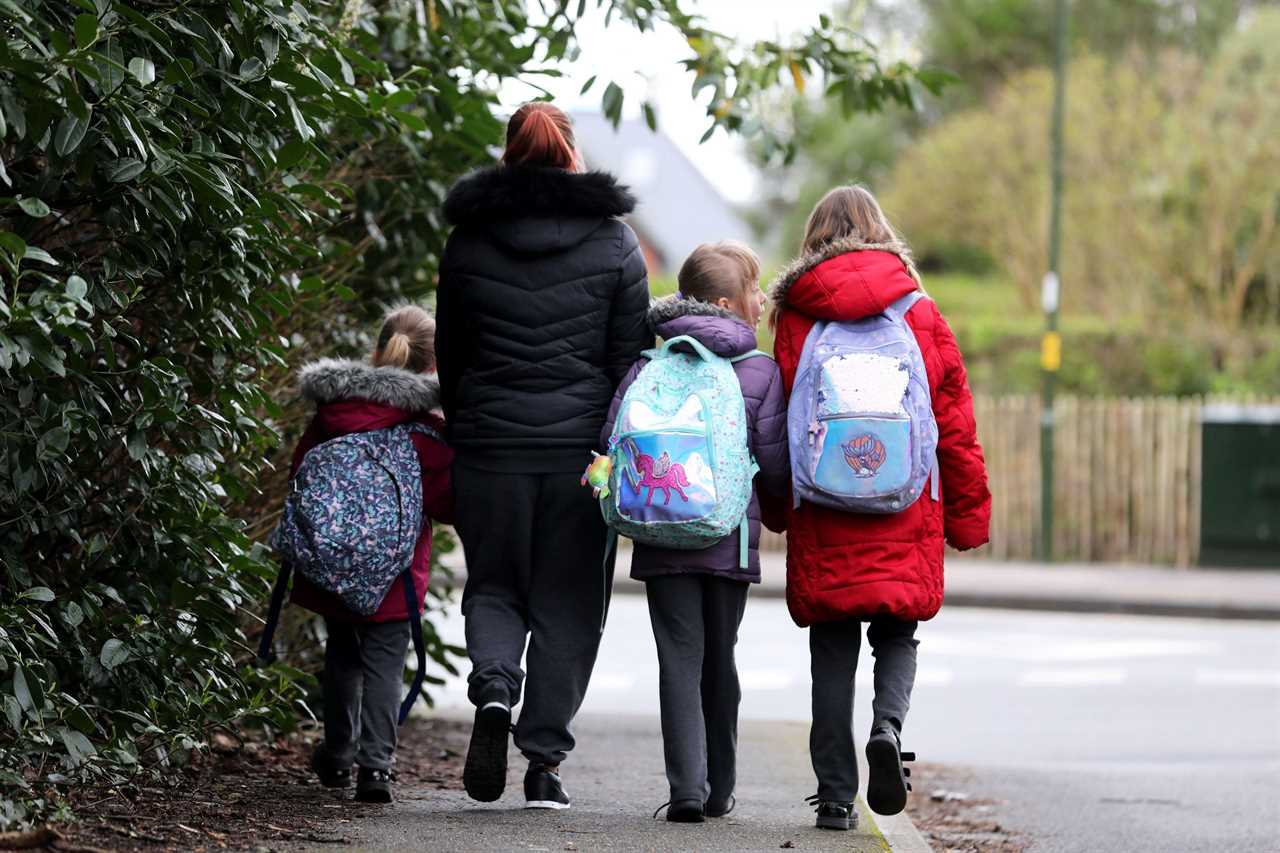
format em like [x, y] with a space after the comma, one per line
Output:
[114, 653]
[33, 207]
[86, 31]
[69, 134]
[143, 70]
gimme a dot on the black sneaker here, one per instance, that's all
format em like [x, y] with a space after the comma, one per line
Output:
[485, 773]
[833, 815]
[887, 786]
[720, 809]
[543, 788]
[330, 776]
[373, 786]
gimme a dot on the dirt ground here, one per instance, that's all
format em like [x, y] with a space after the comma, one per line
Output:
[952, 820]
[254, 798]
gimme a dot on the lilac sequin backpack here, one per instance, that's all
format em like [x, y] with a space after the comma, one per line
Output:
[860, 424]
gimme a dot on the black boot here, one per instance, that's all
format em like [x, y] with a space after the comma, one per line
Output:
[887, 786]
[373, 786]
[683, 811]
[330, 776]
[834, 815]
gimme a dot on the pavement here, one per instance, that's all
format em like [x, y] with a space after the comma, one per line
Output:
[1251, 594]
[616, 780]
[1086, 732]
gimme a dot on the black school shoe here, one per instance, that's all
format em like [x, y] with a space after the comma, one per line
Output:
[887, 786]
[373, 786]
[834, 815]
[543, 788]
[330, 776]
[485, 773]
[722, 809]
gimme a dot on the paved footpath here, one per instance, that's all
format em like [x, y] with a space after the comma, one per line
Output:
[616, 780]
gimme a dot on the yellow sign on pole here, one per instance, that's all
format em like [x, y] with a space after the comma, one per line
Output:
[1051, 352]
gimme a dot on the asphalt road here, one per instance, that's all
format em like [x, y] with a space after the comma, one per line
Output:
[1099, 733]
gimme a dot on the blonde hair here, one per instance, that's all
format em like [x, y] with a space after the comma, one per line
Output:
[407, 340]
[712, 271]
[847, 212]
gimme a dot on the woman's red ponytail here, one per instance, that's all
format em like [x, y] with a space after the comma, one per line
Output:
[540, 134]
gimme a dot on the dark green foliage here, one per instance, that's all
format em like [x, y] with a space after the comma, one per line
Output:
[193, 198]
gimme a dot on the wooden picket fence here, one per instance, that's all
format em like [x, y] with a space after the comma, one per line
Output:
[1127, 478]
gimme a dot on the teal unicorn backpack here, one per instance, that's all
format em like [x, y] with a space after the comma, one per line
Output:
[682, 470]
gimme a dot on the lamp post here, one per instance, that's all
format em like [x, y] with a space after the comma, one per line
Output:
[1051, 345]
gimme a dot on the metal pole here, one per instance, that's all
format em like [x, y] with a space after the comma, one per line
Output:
[1051, 346]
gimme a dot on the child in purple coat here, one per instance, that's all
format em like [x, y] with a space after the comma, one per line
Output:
[697, 598]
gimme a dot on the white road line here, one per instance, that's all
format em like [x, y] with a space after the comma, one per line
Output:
[1075, 677]
[1238, 678]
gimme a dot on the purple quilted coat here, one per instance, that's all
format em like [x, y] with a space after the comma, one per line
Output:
[726, 335]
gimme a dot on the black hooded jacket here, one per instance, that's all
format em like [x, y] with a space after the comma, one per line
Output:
[541, 311]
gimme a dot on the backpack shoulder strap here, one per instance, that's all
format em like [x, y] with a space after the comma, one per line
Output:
[747, 355]
[703, 353]
[899, 307]
[266, 654]
[423, 429]
[415, 631]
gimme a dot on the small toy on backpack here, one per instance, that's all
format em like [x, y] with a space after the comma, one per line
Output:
[597, 475]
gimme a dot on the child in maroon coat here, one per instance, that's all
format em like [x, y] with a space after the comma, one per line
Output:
[364, 656]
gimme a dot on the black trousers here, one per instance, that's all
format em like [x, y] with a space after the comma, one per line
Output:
[536, 572]
[833, 654]
[695, 623]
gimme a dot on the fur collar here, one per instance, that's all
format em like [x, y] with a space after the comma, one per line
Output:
[669, 308]
[516, 192]
[793, 271]
[333, 380]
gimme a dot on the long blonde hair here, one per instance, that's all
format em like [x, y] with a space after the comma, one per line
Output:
[847, 212]
[407, 340]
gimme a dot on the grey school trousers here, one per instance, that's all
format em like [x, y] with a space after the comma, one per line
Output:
[695, 621]
[833, 658]
[363, 680]
[535, 549]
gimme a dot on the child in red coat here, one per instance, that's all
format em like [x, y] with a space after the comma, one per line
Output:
[843, 568]
[364, 656]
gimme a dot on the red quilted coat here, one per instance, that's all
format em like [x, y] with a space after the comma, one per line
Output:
[351, 396]
[840, 564]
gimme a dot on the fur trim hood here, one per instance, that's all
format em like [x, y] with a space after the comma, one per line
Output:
[795, 270]
[721, 331]
[671, 307]
[518, 192]
[334, 380]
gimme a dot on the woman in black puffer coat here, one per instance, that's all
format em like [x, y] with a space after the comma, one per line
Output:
[541, 311]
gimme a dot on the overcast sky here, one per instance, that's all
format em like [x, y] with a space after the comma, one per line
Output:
[645, 65]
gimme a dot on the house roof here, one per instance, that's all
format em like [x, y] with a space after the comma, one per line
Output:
[678, 206]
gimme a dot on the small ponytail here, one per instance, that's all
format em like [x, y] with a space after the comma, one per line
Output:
[395, 353]
[540, 134]
[407, 340]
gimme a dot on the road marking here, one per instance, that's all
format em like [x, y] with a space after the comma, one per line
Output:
[1237, 678]
[1072, 677]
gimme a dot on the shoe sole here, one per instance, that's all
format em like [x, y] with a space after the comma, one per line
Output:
[373, 796]
[886, 787]
[546, 804]
[837, 823]
[485, 774]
